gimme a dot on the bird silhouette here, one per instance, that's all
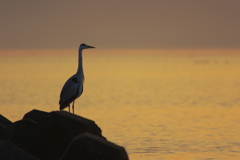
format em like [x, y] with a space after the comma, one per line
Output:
[73, 87]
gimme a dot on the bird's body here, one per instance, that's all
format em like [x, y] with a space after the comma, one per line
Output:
[71, 90]
[73, 87]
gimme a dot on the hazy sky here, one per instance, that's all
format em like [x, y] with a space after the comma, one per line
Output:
[132, 24]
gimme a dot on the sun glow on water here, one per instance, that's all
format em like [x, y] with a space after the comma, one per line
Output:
[158, 106]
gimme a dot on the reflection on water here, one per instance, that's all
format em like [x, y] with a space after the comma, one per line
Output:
[157, 106]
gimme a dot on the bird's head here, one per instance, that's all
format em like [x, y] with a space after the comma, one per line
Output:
[84, 46]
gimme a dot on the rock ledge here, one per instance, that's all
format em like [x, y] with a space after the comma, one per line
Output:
[57, 135]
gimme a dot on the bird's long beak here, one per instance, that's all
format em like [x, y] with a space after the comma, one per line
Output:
[91, 47]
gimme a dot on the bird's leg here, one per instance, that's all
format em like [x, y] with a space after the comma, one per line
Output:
[73, 107]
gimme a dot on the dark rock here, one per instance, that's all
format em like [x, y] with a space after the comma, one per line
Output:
[6, 133]
[4, 122]
[22, 132]
[55, 135]
[76, 122]
[19, 132]
[35, 115]
[89, 147]
[9, 151]
[55, 131]
[2, 126]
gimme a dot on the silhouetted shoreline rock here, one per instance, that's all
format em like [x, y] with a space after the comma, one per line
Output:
[58, 135]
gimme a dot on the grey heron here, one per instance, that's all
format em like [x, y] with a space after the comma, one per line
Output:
[73, 87]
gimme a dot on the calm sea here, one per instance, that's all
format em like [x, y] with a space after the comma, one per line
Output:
[159, 107]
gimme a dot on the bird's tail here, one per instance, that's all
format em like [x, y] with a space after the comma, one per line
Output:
[63, 105]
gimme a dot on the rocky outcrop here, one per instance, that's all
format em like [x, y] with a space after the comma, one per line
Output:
[9, 151]
[4, 122]
[57, 135]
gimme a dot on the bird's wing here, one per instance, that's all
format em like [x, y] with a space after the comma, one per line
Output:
[69, 90]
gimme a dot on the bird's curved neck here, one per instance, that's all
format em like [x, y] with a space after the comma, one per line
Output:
[80, 65]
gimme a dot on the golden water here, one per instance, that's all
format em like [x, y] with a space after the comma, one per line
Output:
[159, 107]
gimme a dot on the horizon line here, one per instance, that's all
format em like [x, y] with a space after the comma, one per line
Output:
[119, 51]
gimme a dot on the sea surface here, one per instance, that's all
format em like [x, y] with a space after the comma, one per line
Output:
[157, 106]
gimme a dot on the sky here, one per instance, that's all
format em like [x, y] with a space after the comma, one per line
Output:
[115, 24]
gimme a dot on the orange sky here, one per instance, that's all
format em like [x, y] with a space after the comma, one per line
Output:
[125, 24]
